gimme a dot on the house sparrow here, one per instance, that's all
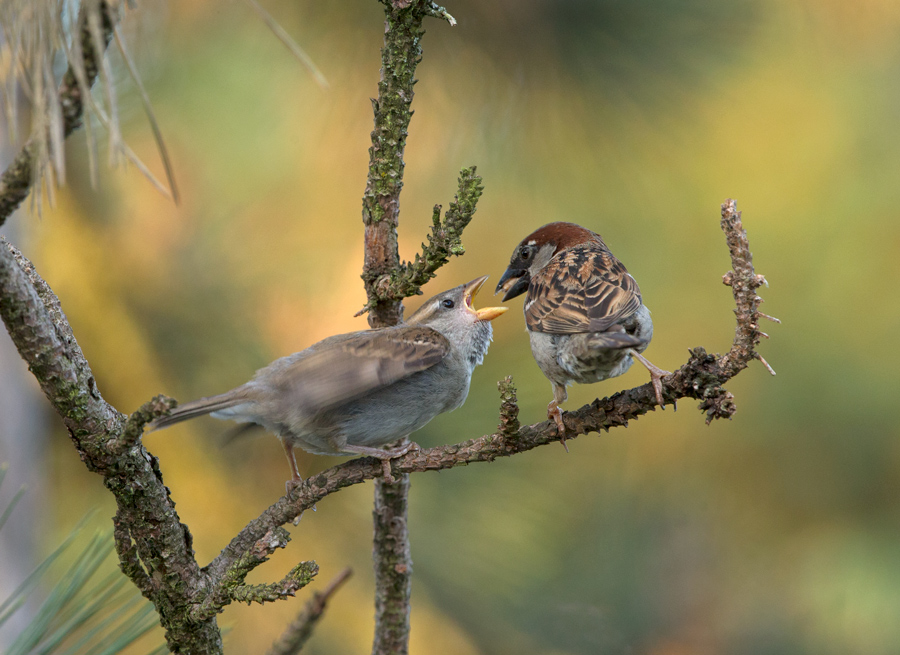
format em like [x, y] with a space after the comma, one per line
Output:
[583, 310]
[350, 393]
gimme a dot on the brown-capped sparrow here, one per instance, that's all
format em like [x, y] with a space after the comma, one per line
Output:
[583, 310]
[350, 393]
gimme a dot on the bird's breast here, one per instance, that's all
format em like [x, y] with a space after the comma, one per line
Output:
[567, 358]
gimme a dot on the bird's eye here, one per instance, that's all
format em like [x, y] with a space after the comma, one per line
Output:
[525, 254]
[447, 303]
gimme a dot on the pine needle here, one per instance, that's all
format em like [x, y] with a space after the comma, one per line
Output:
[151, 117]
[106, 78]
[11, 505]
[32, 33]
[291, 45]
[81, 616]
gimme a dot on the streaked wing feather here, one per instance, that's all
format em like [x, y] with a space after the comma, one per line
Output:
[349, 369]
[582, 289]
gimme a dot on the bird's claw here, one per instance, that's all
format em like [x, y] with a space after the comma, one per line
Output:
[554, 412]
[292, 484]
[656, 375]
[401, 451]
[386, 456]
[657, 389]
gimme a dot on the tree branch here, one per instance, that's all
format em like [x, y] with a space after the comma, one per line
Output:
[701, 377]
[393, 566]
[297, 578]
[156, 549]
[387, 282]
[744, 283]
[156, 407]
[444, 241]
[229, 584]
[300, 630]
[18, 178]
[45, 341]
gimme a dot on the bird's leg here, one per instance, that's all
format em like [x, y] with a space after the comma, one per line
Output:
[295, 472]
[656, 374]
[384, 455]
[553, 411]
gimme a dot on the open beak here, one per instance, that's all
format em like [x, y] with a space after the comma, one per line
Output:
[514, 282]
[471, 290]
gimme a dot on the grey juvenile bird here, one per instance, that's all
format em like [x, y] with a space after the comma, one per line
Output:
[350, 393]
[583, 310]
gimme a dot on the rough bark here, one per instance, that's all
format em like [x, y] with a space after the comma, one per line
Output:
[153, 545]
[381, 210]
[388, 281]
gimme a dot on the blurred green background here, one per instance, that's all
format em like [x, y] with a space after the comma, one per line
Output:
[777, 532]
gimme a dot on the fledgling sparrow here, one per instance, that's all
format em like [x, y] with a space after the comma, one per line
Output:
[583, 310]
[350, 393]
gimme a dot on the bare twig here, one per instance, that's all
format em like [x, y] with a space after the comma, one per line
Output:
[744, 283]
[387, 280]
[440, 12]
[300, 630]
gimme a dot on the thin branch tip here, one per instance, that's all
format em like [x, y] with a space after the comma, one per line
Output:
[297, 578]
[301, 628]
[336, 583]
[155, 408]
[765, 363]
[439, 12]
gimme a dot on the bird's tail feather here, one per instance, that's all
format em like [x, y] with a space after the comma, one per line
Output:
[199, 407]
[615, 340]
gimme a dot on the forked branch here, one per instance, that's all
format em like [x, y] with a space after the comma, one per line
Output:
[702, 377]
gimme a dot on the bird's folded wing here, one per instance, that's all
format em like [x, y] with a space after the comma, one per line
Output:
[582, 289]
[342, 370]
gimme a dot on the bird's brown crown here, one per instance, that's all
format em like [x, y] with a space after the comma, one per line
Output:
[564, 235]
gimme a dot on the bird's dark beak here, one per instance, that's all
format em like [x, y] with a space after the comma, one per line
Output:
[487, 313]
[514, 282]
